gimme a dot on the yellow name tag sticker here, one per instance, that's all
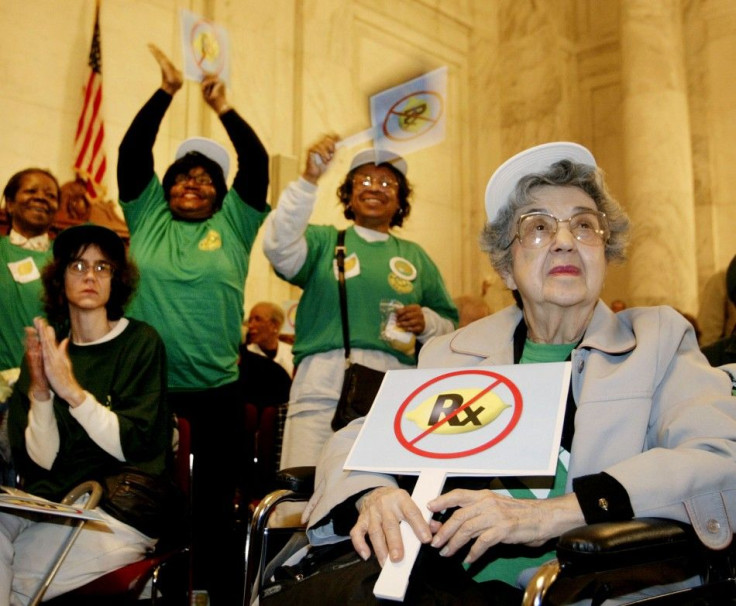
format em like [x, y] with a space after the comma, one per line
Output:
[211, 241]
[24, 271]
[352, 266]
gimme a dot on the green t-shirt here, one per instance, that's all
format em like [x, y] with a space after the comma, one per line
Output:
[20, 301]
[192, 280]
[507, 569]
[394, 269]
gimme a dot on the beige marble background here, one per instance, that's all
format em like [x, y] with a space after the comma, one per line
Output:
[648, 85]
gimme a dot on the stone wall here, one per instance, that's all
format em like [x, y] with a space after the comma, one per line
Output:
[520, 72]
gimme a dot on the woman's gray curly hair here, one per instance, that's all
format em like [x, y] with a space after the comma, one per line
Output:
[496, 237]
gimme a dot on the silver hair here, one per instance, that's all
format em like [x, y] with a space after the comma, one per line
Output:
[496, 237]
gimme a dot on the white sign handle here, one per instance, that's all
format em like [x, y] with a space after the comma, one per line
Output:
[394, 577]
[356, 139]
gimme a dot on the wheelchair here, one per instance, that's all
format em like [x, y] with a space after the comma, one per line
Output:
[594, 563]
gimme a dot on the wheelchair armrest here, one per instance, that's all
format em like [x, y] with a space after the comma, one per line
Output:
[613, 545]
[296, 479]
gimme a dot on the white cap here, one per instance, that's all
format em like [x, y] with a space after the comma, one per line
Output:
[531, 161]
[379, 156]
[207, 147]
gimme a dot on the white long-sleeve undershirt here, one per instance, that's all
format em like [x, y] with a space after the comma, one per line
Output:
[100, 423]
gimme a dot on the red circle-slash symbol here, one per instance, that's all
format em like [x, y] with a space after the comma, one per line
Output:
[498, 380]
[206, 64]
[427, 113]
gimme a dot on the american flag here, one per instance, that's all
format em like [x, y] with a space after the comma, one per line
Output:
[89, 154]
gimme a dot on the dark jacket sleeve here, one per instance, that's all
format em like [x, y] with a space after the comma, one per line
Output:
[251, 180]
[135, 155]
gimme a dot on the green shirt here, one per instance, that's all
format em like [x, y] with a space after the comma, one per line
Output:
[126, 374]
[192, 283]
[507, 569]
[394, 269]
[20, 298]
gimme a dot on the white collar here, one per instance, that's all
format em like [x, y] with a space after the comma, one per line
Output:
[121, 325]
[370, 235]
[38, 243]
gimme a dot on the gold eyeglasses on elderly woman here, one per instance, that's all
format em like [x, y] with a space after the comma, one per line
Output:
[537, 228]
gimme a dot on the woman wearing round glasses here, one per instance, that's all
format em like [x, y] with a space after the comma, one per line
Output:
[192, 238]
[649, 429]
[91, 398]
[395, 294]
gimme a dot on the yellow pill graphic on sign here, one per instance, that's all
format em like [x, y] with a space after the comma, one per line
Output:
[480, 413]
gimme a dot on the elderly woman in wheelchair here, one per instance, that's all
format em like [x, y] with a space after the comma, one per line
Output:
[649, 431]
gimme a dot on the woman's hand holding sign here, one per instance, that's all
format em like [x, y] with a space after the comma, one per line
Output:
[490, 519]
[482, 516]
[381, 511]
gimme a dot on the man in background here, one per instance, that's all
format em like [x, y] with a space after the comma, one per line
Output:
[264, 326]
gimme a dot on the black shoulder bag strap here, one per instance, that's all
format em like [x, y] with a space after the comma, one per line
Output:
[340, 258]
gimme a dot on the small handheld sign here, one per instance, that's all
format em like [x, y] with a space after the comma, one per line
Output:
[206, 47]
[407, 117]
[489, 421]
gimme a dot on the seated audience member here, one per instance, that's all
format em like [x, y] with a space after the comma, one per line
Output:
[470, 308]
[723, 351]
[192, 237]
[380, 269]
[264, 326]
[91, 399]
[650, 427]
[31, 200]
[717, 313]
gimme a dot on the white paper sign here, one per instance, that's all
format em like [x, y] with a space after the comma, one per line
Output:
[411, 116]
[206, 47]
[491, 421]
[481, 420]
[13, 498]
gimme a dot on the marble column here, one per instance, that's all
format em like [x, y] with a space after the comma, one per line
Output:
[657, 156]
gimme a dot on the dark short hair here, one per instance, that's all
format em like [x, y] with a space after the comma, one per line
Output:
[191, 160]
[345, 193]
[123, 282]
[13, 184]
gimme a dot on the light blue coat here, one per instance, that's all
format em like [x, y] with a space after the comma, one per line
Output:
[651, 413]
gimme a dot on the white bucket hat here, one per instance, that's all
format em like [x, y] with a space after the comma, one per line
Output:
[207, 147]
[530, 161]
[379, 156]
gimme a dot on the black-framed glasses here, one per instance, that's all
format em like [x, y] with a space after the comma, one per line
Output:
[537, 228]
[102, 269]
[381, 182]
[200, 179]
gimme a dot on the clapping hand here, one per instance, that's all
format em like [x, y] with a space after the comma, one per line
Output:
[49, 365]
[171, 76]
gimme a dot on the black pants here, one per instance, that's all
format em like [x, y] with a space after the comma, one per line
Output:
[217, 420]
[346, 579]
